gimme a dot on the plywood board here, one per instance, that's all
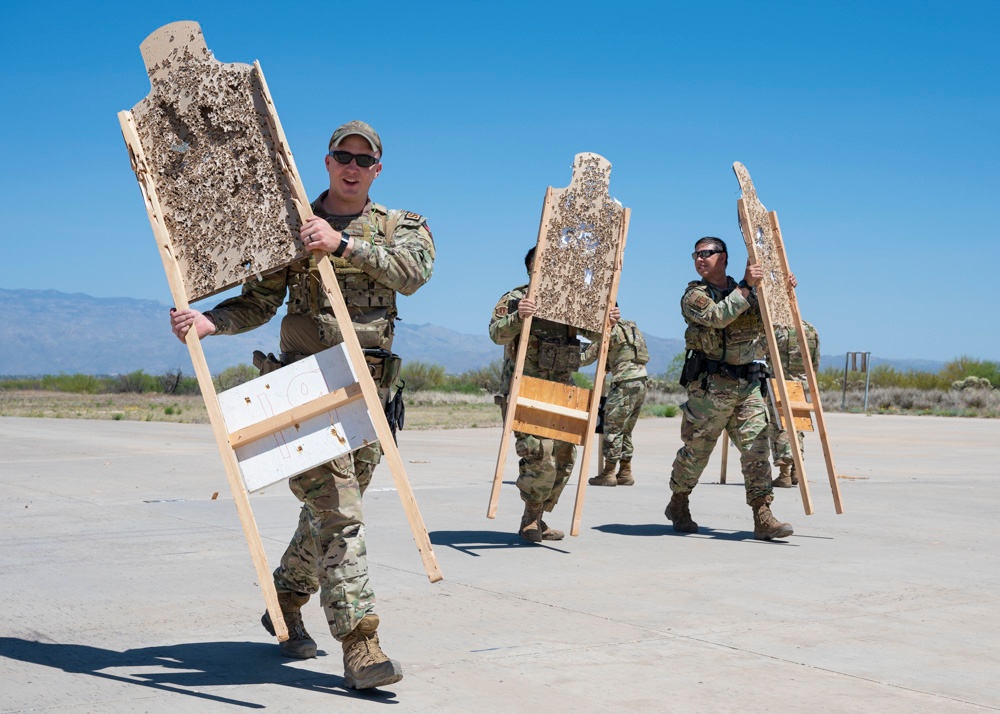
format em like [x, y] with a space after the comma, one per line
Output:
[796, 394]
[226, 202]
[304, 444]
[580, 241]
[762, 234]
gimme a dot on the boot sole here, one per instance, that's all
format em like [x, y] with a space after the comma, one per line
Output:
[677, 528]
[375, 681]
[775, 535]
[308, 653]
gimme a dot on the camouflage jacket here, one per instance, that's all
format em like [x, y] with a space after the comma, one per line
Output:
[550, 344]
[393, 252]
[791, 354]
[722, 323]
[627, 353]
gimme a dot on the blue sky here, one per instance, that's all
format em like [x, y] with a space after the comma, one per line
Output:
[872, 128]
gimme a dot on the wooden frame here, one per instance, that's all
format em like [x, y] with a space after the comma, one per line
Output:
[760, 229]
[186, 36]
[549, 409]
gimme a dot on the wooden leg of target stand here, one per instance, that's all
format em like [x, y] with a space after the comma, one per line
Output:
[725, 457]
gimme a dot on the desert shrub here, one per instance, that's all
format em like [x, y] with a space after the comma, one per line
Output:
[584, 381]
[235, 376]
[421, 376]
[972, 383]
[137, 382]
[963, 367]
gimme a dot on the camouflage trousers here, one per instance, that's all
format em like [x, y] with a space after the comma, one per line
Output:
[781, 448]
[734, 406]
[621, 412]
[544, 468]
[327, 553]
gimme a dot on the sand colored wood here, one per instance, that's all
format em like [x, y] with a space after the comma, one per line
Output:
[779, 306]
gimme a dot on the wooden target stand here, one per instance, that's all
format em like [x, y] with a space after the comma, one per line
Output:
[192, 223]
[779, 306]
[574, 281]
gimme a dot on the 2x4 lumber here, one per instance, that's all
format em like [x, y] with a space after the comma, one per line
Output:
[553, 408]
[205, 383]
[581, 486]
[354, 351]
[772, 346]
[297, 414]
[522, 351]
[817, 401]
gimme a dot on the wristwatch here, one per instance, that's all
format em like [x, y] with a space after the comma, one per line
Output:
[742, 284]
[345, 238]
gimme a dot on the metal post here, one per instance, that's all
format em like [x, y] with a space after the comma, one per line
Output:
[843, 402]
[868, 375]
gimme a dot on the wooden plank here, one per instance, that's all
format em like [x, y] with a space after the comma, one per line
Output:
[581, 486]
[725, 456]
[515, 380]
[801, 409]
[549, 426]
[320, 405]
[824, 438]
[553, 408]
[179, 294]
[749, 229]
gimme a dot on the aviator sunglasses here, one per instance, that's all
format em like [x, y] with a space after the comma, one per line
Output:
[363, 160]
[705, 254]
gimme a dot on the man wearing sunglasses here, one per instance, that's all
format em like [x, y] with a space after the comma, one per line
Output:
[722, 373]
[376, 253]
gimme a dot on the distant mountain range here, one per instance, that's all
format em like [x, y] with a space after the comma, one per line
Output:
[51, 332]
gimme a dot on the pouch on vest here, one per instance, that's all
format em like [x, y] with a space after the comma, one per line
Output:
[556, 356]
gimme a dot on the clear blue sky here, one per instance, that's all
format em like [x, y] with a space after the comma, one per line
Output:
[872, 128]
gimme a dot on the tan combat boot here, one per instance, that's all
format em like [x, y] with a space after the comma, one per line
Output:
[765, 525]
[678, 512]
[549, 533]
[299, 644]
[624, 477]
[794, 474]
[531, 529]
[365, 664]
[784, 479]
[607, 476]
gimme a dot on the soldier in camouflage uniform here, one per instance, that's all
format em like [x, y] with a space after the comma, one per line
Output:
[626, 365]
[723, 339]
[376, 253]
[794, 367]
[554, 353]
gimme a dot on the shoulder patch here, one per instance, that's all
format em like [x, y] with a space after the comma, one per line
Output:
[501, 311]
[702, 301]
[410, 216]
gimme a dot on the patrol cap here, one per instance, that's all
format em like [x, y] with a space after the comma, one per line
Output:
[358, 128]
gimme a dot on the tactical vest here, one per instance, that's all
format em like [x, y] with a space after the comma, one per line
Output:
[558, 346]
[372, 306]
[632, 337]
[718, 343]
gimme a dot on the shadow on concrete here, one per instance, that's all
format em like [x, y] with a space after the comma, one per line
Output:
[180, 667]
[470, 541]
[660, 529]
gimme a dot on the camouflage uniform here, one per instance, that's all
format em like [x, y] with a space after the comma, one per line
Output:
[727, 328]
[393, 252]
[546, 464]
[627, 358]
[794, 367]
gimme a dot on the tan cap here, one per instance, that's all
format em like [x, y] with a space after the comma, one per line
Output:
[358, 128]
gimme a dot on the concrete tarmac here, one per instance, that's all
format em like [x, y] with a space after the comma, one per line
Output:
[124, 587]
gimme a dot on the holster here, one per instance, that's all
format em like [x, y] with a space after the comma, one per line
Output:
[599, 429]
[694, 365]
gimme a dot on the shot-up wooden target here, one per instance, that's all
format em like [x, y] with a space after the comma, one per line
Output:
[226, 202]
[574, 281]
[780, 308]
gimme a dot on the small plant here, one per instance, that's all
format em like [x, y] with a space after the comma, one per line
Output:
[117, 416]
[662, 410]
[169, 411]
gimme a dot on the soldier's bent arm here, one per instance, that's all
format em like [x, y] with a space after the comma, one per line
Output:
[257, 304]
[405, 263]
[505, 325]
[699, 308]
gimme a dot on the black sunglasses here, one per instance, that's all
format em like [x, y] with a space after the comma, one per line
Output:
[705, 253]
[362, 160]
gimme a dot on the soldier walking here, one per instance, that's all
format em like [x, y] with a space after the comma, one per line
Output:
[376, 252]
[723, 336]
[554, 353]
[626, 364]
